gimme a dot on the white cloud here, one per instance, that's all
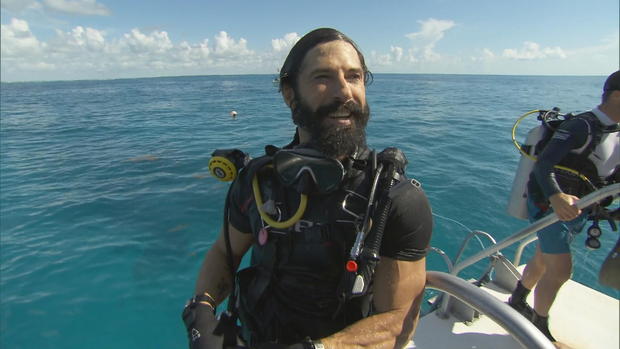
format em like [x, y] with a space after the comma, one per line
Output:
[78, 7]
[280, 48]
[20, 5]
[226, 46]
[532, 51]
[424, 41]
[84, 52]
[411, 55]
[18, 41]
[388, 59]
[144, 44]
[72, 7]
[422, 48]
[190, 54]
[486, 55]
[286, 43]
[397, 53]
[80, 38]
[432, 30]
[380, 59]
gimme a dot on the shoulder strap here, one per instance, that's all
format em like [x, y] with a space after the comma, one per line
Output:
[596, 131]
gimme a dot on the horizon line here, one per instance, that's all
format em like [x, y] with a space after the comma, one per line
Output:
[276, 75]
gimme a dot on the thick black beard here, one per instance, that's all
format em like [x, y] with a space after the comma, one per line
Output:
[333, 142]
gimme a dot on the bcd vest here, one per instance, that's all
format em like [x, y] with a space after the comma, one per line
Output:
[293, 287]
[578, 160]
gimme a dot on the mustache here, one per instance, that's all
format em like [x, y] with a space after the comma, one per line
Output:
[337, 107]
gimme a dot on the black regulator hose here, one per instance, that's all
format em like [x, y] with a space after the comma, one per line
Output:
[396, 162]
[373, 243]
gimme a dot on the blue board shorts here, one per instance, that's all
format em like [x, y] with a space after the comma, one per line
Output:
[557, 237]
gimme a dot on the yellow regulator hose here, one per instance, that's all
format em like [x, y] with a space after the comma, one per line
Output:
[303, 201]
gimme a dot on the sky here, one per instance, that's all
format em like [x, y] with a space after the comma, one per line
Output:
[108, 39]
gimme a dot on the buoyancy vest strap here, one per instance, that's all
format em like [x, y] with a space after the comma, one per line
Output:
[227, 324]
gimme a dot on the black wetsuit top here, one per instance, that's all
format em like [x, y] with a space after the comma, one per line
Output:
[301, 298]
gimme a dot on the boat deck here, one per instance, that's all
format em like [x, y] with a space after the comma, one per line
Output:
[581, 318]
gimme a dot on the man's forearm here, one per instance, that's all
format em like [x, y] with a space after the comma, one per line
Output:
[215, 275]
[392, 329]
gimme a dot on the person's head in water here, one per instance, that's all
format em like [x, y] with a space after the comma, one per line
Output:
[323, 81]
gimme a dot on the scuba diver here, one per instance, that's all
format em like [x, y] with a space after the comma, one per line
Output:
[588, 143]
[338, 234]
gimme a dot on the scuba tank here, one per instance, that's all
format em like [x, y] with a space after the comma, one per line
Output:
[517, 203]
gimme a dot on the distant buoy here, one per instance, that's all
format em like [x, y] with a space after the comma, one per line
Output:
[233, 114]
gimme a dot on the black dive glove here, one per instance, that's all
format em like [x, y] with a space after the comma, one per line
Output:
[196, 318]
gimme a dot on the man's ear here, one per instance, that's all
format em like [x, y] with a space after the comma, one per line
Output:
[289, 95]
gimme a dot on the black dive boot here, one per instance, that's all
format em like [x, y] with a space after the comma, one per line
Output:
[518, 303]
[542, 323]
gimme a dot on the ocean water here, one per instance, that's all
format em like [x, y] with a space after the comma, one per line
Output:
[107, 207]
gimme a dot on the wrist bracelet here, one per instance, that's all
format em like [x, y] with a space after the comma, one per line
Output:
[209, 305]
[205, 299]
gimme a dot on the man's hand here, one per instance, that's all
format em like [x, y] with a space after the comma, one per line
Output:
[564, 206]
[200, 322]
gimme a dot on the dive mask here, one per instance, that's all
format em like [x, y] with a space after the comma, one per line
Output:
[308, 170]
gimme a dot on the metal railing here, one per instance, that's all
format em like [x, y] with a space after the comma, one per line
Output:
[586, 201]
[494, 249]
[514, 323]
[475, 233]
[445, 257]
[521, 247]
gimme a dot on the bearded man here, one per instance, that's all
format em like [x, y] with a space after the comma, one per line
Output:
[338, 234]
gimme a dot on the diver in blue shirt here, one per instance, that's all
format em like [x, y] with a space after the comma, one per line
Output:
[580, 144]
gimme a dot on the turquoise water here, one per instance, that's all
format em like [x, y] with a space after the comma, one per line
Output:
[107, 207]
